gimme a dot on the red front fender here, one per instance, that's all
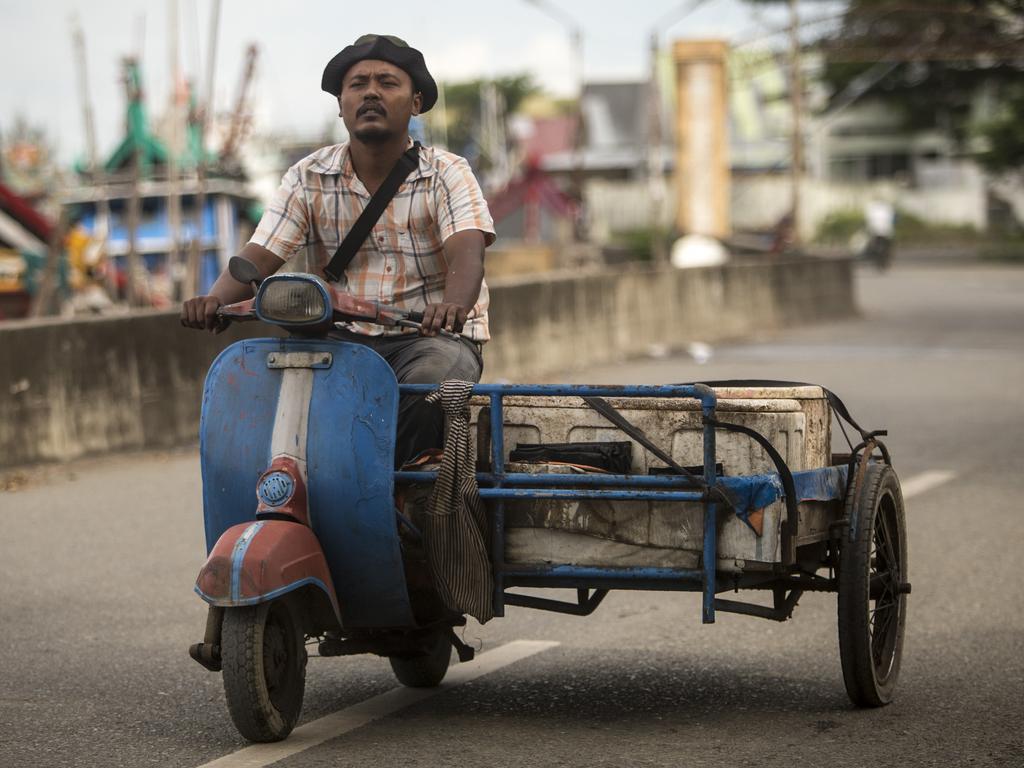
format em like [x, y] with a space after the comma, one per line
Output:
[256, 562]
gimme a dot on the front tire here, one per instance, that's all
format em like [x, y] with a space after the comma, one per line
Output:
[263, 654]
[873, 589]
[427, 669]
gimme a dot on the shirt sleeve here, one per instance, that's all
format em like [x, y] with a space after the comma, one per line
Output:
[284, 226]
[461, 204]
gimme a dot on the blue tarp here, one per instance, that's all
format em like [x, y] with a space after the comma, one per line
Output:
[752, 492]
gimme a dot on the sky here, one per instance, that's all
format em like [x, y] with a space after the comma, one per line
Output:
[460, 40]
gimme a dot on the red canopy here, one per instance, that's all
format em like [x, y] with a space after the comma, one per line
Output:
[21, 210]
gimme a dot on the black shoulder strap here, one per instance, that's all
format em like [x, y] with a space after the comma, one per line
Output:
[373, 210]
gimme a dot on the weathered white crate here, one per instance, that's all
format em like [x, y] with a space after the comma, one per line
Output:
[595, 532]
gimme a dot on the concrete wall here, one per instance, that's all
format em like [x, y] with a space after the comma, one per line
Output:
[545, 327]
[74, 388]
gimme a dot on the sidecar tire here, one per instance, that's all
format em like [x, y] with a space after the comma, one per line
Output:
[263, 654]
[872, 604]
[425, 670]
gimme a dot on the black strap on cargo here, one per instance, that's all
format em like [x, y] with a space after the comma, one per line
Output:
[868, 442]
[789, 525]
[371, 213]
[606, 409]
[785, 474]
[837, 405]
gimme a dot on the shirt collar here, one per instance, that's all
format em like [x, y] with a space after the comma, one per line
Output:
[336, 161]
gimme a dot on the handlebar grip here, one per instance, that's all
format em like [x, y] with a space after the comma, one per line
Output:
[416, 317]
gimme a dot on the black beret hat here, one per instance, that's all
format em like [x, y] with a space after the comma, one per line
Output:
[385, 48]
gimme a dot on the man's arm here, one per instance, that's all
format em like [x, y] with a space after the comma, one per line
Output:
[201, 312]
[464, 252]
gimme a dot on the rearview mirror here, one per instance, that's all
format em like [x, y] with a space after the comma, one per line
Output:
[244, 271]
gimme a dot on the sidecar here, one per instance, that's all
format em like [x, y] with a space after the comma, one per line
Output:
[755, 501]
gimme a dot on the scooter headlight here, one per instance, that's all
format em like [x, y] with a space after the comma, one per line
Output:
[293, 300]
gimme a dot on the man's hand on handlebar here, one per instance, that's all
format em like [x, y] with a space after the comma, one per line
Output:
[443, 316]
[201, 313]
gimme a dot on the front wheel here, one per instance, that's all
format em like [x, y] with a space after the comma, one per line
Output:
[873, 589]
[263, 654]
[428, 668]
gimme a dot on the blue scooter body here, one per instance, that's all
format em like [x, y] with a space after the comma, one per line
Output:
[350, 445]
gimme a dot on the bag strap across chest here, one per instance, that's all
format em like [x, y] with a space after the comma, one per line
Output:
[371, 213]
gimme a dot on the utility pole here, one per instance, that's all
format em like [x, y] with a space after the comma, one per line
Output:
[240, 117]
[173, 176]
[655, 164]
[576, 47]
[43, 303]
[206, 109]
[492, 139]
[796, 106]
[577, 144]
[97, 172]
[442, 105]
[133, 93]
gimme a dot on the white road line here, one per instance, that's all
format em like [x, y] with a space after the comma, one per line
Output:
[925, 481]
[337, 723]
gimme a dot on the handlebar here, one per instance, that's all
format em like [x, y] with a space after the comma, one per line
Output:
[244, 311]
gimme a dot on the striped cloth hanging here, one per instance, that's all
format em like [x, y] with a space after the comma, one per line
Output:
[456, 534]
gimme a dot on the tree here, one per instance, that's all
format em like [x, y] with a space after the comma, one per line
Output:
[1004, 136]
[463, 105]
[946, 59]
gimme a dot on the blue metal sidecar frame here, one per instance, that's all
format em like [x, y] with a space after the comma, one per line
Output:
[742, 493]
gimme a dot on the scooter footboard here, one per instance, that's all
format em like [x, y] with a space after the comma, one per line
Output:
[259, 561]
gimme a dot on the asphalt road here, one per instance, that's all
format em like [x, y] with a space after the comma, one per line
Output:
[97, 562]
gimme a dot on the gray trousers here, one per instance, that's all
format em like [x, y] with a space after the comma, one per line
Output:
[419, 359]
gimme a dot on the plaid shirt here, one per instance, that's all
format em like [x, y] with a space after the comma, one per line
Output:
[402, 261]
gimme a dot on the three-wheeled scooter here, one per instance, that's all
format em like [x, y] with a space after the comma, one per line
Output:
[309, 541]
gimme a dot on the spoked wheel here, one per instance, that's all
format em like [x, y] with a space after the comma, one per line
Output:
[873, 589]
[263, 654]
[427, 669]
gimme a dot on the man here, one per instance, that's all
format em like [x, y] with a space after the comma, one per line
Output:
[880, 223]
[424, 253]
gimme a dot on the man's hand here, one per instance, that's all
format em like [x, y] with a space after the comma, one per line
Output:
[464, 252]
[201, 312]
[445, 315]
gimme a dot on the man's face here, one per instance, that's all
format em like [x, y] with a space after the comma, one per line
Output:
[377, 100]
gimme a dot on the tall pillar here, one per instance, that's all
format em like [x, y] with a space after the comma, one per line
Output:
[702, 138]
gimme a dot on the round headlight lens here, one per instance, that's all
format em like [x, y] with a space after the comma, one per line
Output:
[292, 301]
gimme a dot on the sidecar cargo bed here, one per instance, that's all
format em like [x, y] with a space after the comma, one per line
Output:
[648, 533]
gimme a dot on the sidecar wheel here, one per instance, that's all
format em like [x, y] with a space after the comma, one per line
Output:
[263, 654]
[424, 670]
[873, 590]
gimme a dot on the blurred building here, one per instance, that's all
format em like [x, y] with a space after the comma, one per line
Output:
[851, 156]
[24, 237]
